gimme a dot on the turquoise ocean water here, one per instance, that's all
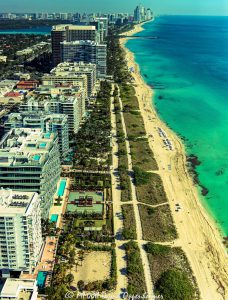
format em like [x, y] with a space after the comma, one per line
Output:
[188, 60]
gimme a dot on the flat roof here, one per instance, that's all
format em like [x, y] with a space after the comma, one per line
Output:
[21, 146]
[12, 202]
[13, 286]
[61, 27]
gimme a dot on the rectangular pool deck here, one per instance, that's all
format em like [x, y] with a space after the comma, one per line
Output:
[97, 203]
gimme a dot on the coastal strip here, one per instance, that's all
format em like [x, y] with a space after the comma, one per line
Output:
[197, 234]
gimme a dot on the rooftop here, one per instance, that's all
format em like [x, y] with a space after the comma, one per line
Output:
[25, 146]
[63, 27]
[12, 202]
[18, 288]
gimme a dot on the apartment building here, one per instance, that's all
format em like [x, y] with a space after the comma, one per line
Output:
[30, 161]
[20, 230]
[46, 121]
[87, 52]
[69, 33]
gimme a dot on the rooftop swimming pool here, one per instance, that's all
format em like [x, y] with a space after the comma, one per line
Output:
[54, 218]
[41, 278]
[62, 187]
[43, 145]
[36, 157]
[47, 135]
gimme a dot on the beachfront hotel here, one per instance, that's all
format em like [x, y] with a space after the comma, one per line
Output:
[69, 33]
[46, 121]
[70, 72]
[30, 161]
[87, 52]
[20, 230]
[72, 106]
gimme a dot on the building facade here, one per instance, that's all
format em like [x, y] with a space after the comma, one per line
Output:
[30, 161]
[47, 122]
[69, 33]
[87, 52]
[71, 106]
[20, 230]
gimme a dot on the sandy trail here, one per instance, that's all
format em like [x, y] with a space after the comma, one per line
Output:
[198, 235]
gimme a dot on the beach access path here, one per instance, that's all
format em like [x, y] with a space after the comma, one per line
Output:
[198, 235]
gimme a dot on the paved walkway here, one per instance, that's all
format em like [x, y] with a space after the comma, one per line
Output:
[135, 203]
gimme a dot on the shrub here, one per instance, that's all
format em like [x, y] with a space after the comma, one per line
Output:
[174, 284]
[157, 249]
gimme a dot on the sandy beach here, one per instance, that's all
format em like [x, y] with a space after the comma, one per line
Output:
[198, 235]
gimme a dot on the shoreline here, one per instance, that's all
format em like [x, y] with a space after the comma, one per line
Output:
[205, 250]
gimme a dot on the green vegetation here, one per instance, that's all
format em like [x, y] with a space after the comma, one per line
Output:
[116, 65]
[129, 231]
[158, 227]
[174, 283]
[135, 274]
[142, 156]
[92, 142]
[149, 187]
[141, 177]
[90, 181]
[38, 63]
[164, 260]
[156, 249]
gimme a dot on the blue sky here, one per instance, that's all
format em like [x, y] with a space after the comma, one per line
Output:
[201, 7]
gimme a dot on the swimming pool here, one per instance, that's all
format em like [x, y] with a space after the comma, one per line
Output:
[36, 157]
[43, 145]
[41, 278]
[54, 218]
[61, 189]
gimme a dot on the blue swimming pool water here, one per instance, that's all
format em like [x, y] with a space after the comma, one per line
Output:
[43, 145]
[36, 157]
[54, 218]
[61, 188]
[41, 278]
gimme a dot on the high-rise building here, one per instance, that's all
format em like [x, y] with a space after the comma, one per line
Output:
[44, 120]
[30, 161]
[87, 52]
[69, 33]
[141, 14]
[72, 106]
[20, 230]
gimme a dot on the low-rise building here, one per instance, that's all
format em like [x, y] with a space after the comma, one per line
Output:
[30, 161]
[27, 85]
[19, 289]
[20, 230]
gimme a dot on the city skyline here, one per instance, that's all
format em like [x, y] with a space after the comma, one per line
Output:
[208, 7]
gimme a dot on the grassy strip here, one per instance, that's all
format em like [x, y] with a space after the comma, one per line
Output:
[157, 223]
[129, 231]
[142, 155]
[135, 274]
[149, 187]
[164, 258]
